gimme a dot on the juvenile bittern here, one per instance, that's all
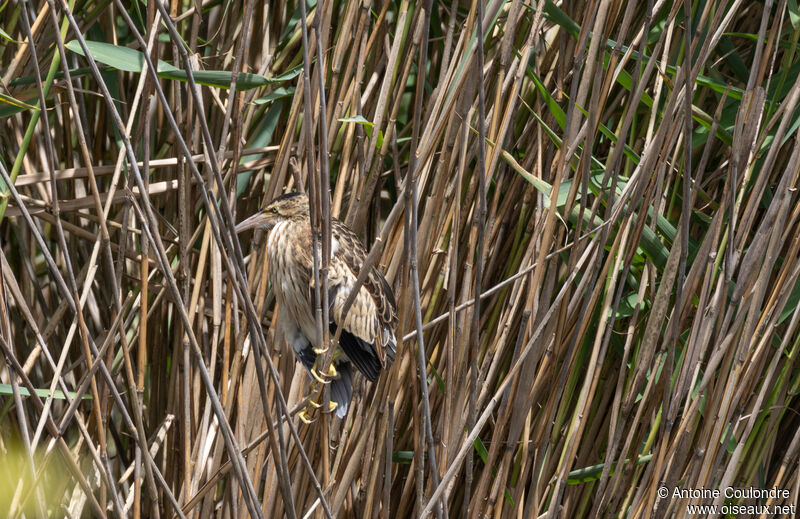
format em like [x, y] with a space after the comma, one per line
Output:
[367, 338]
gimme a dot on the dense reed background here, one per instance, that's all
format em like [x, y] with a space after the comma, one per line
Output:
[590, 223]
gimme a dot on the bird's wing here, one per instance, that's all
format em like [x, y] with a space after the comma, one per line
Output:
[367, 336]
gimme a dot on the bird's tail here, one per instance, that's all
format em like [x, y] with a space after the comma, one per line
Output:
[342, 388]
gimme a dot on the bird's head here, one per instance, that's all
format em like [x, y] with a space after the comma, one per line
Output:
[286, 207]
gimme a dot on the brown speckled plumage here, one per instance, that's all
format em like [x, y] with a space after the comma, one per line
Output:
[367, 338]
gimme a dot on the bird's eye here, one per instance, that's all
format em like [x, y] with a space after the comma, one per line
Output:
[273, 210]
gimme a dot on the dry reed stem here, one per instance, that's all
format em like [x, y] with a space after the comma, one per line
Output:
[603, 302]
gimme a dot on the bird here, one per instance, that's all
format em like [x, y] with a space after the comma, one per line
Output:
[367, 339]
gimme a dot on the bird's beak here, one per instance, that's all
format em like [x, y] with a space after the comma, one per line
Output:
[260, 219]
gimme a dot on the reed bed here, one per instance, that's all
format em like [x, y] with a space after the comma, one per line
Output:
[588, 212]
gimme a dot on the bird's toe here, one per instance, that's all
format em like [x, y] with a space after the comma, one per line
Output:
[332, 406]
[322, 378]
[325, 377]
[305, 417]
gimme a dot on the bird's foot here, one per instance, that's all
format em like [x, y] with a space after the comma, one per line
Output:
[324, 378]
[307, 414]
[305, 418]
[320, 351]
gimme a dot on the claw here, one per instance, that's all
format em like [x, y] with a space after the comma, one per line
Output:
[320, 351]
[303, 416]
[332, 406]
[319, 378]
